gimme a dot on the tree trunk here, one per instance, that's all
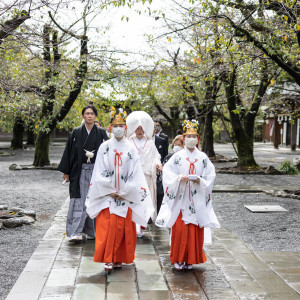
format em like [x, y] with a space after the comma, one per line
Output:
[245, 152]
[41, 154]
[175, 120]
[30, 133]
[243, 141]
[18, 133]
[30, 137]
[208, 136]
[190, 112]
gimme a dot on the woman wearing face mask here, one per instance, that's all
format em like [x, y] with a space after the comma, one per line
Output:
[188, 179]
[118, 198]
[140, 132]
[177, 145]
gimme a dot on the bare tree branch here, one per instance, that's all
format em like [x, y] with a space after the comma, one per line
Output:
[11, 25]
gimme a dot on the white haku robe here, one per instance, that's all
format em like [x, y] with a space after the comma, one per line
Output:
[118, 169]
[149, 158]
[193, 200]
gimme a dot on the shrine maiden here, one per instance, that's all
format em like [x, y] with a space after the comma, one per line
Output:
[188, 179]
[118, 197]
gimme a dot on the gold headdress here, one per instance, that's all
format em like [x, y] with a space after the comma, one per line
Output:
[190, 127]
[118, 116]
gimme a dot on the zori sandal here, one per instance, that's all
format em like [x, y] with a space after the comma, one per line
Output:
[118, 265]
[179, 266]
[188, 267]
[108, 267]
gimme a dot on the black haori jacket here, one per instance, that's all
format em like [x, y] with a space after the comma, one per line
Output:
[71, 161]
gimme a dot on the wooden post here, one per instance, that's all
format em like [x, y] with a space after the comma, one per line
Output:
[276, 133]
[293, 134]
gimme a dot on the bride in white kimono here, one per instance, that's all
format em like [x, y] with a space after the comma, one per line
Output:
[188, 179]
[140, 129]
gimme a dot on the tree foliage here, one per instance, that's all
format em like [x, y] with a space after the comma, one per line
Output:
[213, 60]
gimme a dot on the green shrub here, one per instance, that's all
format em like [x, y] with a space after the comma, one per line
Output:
[287, 168]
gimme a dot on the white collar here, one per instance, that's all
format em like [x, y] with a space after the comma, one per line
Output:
[88, 131]
[115, 142]
[189, 153]
[140, 144]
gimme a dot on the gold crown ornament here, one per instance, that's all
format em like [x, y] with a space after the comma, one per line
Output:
[118, 116]
[190, 127]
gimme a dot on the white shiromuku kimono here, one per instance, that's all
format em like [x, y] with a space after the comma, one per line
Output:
[118, 169]
[193, 200]
[149, 158]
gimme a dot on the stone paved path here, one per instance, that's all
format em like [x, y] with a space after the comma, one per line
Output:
[59, 270]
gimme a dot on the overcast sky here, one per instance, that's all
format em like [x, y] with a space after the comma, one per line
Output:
[122, 34]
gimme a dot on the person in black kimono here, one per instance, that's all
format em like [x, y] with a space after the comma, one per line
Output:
[162, 145]
[77, 164]
[159, 133]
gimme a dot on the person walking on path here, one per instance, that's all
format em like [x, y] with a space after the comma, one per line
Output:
[162, 145]
[118, 198]
[159, 133]
[177, 145]
[77, 164]
[188, 179]
[140, 132]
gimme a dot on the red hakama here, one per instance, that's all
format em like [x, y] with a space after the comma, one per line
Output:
[187, 243]
[115, 238]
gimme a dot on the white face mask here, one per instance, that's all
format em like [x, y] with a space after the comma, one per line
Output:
[177, 148]
[158, 129]
[191, 142]
[118, 131]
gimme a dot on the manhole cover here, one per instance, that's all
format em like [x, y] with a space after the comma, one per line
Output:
[265, 208]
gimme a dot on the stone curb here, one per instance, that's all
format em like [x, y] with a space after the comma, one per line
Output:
[33, 278]
[251, 188]
[16, 167]
[235, 172]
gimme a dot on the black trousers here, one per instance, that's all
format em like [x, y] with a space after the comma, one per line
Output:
[159, 192]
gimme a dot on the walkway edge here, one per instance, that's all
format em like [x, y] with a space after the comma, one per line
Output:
[251, 188]
[31, 281]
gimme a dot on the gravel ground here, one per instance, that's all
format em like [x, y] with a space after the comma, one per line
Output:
[268, 180]
[35, 189]
[260, 231]
[277, 231]
[264, 154]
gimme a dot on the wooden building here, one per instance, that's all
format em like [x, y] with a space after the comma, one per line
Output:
[282, 123]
